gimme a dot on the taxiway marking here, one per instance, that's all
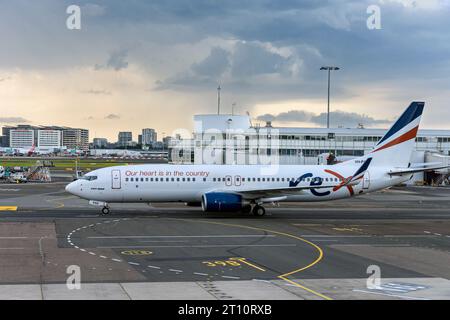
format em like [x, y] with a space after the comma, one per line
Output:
[204, 236]
[285, 275]
[8, 208]
[244, 260]
[203, 246]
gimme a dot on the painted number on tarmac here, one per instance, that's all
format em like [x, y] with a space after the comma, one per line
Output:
[136, 253]
[221, 263]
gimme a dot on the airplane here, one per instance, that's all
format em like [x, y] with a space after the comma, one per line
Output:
[19, 151]
[246, 188]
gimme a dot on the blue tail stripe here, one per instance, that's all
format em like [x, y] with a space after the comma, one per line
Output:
[414, 111]
[363, 168]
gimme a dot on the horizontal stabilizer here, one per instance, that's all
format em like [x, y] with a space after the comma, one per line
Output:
[405, 171]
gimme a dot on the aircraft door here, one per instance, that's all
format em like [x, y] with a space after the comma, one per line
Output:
[366, 180]
[116, 181]
[237, 180]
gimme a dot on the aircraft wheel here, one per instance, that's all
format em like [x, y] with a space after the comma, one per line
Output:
[259, 211]
[105, 211]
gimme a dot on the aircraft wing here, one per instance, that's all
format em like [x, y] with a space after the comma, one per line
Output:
[405, 171]
[270, 193]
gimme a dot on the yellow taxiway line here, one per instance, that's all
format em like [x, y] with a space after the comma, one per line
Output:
[285, 275]
[8, 208]
[244, 260]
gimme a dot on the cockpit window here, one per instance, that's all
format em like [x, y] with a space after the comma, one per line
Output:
[89, 178]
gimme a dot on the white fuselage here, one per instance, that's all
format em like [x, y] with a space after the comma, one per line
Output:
[187, 183]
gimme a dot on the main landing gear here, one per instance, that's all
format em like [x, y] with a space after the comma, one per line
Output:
[257, 210]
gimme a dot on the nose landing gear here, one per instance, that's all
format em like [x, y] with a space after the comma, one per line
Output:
[106, 210]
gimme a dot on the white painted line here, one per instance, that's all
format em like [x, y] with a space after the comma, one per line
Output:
[13, 238]
[333, 236]
[92, 253]
[103, 257]
[437, 234]
[154, 267]
[76, 247]
[174, 270]
[230, 277]
[83, 250]
[164, 241]
[204, 246]
[427, 232]
[390, 295]
[134, 263]
[201, 274]
[205, 236]
[260, 280]
[116, 260]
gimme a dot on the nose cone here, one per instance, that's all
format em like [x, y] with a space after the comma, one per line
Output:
[71, 187]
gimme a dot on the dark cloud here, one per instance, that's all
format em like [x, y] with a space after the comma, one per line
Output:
[337, 118]
[214, 65]
[116, 61]
[112, 116]
[244, 65]
[13, 120]
[250, 59]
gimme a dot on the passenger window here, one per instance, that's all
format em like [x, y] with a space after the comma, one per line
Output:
[167, 179]
[126, 179]
[173, 179]
[131, 179]
[214, 179]
[193, 179]
[259, 179]
[204, 179]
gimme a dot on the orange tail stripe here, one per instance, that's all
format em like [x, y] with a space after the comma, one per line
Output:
[405, 137]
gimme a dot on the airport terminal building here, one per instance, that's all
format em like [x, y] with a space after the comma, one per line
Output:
[232, 139]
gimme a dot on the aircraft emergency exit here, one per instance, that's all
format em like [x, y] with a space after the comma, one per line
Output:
[248, 187]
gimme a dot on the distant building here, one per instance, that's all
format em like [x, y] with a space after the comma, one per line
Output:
[46, 136]
[100, 143]
[149, 136]
[75, 138]
[21, 138]
[124, 138]
[49, 138]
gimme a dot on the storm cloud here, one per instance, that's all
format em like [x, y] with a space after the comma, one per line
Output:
[337, 118]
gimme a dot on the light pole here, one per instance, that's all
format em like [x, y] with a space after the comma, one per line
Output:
[329, 68]
[218, 99]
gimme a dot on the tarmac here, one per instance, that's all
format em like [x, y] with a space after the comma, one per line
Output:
[330, 250]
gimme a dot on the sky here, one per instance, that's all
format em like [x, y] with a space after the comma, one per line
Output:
[154, 64]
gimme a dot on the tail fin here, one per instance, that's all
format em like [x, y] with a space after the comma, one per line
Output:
[396, 147]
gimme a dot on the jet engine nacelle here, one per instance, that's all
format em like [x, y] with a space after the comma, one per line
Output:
[217, 202]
